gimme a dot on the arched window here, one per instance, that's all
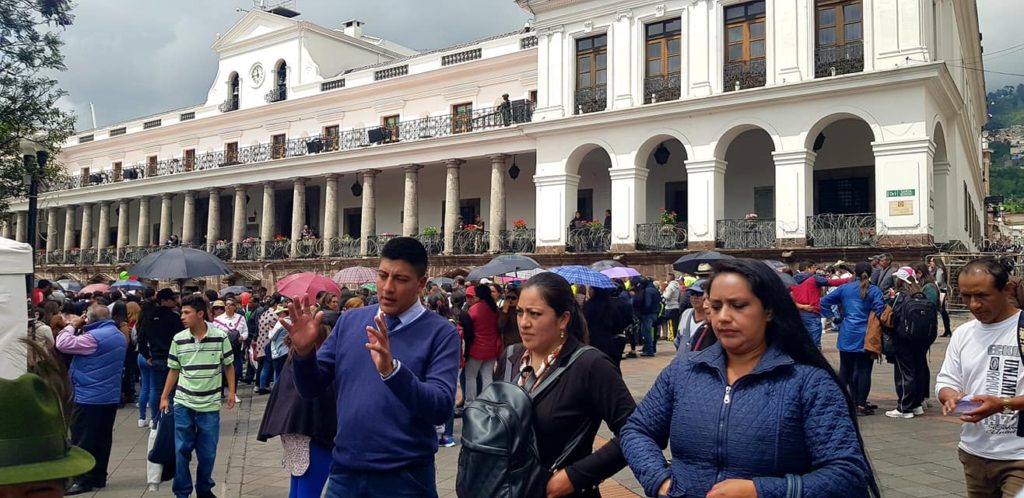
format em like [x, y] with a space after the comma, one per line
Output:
[280, 89]
[233, 89]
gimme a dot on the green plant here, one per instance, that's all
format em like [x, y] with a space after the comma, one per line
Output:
[667, 217]
[430, 231]
[594, 225]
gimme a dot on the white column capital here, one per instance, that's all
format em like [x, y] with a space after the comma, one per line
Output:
[796, 157]
[556, 179]
[268, 185]
[412, 168]
[300, 181]
[942, 167]
[215, 191]
[334, 176]
[628, 174]
[167, 196]
[498, 158]
[707, 166]
[903, 147]
[240, 187]
[453, 163]
[368, 173]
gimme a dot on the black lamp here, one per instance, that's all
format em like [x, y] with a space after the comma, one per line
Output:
[661, 154]
[513, 172]
[819, 142]
[357, 189]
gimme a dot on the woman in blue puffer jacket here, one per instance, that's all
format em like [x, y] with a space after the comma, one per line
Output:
[760, 414]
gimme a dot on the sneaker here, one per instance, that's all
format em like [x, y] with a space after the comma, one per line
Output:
[919, 410]
[153, 488]
[631, 354]
[863, 411]
[899, 414]
[143, 423]
[924, 404]
[870, 406]
[237, 399]
[446, 441]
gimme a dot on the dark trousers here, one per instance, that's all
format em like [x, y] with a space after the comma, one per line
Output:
[910, 375]
[92, 429]
[418, 481]
[855, 371]
[278, 366]
[945, 317]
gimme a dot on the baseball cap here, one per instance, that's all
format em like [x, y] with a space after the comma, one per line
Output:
[471, 290]
[698, 287]
[217, 304]
[905, 274]
[165, 294]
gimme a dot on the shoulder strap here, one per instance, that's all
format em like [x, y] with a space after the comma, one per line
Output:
[550, 379]
[582, 430]
[1020, 350]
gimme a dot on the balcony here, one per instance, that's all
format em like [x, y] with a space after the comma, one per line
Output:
[839, 59]
[433, 243]
[247, 251]
[661, 88]
[591, 99]
[743, 75]
[588, 239]
[745, 234]
[520, 111]
[661, 237]
[842, 230]
[520, 240]
[342, 247]
[229, 105]
[471, 242]
[276, 95]
[375, 243]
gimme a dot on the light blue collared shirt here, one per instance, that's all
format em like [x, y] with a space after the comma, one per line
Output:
[408, 316]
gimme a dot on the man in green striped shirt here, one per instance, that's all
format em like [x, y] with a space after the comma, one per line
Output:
[197, 357]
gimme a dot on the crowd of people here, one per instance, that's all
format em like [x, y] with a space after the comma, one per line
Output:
[364, 386]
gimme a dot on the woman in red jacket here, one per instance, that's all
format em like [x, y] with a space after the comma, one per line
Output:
[483, 345]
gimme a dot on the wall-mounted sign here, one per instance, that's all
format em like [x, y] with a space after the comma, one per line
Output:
[907, 192]
[901, 208]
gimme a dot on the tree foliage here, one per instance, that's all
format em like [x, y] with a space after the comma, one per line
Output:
[1005, 107]
[29, 54]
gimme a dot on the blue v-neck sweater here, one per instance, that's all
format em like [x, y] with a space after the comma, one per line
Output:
[385, 425]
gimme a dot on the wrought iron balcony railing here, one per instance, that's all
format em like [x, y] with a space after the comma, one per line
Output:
[660, 236]
[229, 105]
[247, 251]
[471, 242]
[306, 249]
[522, 240]
[412, 130]
[743, 75]
[342, 247]
[376, 242]
[588, 240]
[220, 249]
[276, 95]
[433, 243]
[745, 234]
[106, 256]
[276, 249]
[661, 88]
[842, 230]
[591, 99]
[839, 59]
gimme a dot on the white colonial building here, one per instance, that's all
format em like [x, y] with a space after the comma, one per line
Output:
[765, 123]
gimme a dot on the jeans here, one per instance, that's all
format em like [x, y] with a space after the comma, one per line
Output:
[266, 368]
[278, 366]
[486, 370]
[647, 329]
[146, 393]
[238, 368]
[157, 378]
[92, 429]
[197, 431]
[311, 484]
[414, 481]
[855, 371]
[812, 322]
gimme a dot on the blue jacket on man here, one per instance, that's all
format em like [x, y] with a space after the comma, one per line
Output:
[96, 376]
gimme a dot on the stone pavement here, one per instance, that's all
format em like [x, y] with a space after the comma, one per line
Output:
[911, 458]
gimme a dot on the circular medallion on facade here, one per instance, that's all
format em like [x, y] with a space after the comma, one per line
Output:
[257, 74]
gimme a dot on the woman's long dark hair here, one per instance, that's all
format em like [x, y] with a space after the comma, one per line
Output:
[786, 330]
[483, 293]
[557, 293]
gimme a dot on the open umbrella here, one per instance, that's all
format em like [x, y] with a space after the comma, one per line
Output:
[581, 275]
[179, 263]
[506, 263]
[355, 275]
[94, 288]
[605, 264]
[297, 285]
[70, 285]
[372, 286]
[777, 267]
[128, 285]
[441, 281]
[234, 289]
[619, 272]
[690, 262]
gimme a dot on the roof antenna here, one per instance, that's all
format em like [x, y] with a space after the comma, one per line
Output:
[283, 8]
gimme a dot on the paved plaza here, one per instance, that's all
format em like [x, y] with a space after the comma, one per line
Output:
[912, 458]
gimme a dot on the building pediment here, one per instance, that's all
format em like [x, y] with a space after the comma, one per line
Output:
[254, 25]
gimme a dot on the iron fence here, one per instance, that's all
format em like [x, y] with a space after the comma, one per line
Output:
[661, 88]
[306, 249]
[743, 75]
[660, 236]
[520, 240]
[433, 243]
[745, 234]
[375, 243]
[839, 59]
[342, 247]
[591, 99]
[275, 249]
[471, 242]
[247, 251]
[842, 230]
[588, 240]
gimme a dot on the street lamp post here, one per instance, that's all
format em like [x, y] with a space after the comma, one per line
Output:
[35, 160]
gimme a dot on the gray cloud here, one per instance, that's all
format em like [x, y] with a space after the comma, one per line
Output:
[132, 58]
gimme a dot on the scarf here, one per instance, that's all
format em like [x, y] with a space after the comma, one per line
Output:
[530, 378]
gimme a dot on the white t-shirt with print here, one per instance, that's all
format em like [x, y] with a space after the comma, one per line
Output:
[984, 359]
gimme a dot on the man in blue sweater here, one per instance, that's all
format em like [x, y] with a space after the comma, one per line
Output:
[394, 368]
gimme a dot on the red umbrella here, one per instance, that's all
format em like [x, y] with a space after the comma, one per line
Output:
[296, 285]
[94, 288]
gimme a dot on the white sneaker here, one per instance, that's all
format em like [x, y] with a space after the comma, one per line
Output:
[924, 405]
[898, 414]
[153, 488]
[143, 423]
[237, 399]
[919, 410]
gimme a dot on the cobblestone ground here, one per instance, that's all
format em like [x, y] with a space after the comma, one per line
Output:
[912, 458]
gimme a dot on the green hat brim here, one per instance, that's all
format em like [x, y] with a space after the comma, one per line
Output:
[77, 462]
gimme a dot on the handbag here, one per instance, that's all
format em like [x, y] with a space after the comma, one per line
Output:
[873, 337]
[163, 446]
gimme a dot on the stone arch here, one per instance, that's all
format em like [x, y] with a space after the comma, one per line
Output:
[737, 128]
[580, 151]
[657, 137]
[839, 114]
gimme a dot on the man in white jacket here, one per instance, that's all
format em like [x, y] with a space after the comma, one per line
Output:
[981, 379]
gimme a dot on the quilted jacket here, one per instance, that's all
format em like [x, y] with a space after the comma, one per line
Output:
[783, 425]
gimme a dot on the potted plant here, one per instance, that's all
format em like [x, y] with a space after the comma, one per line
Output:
[430, 231]
[519, 225]
[594, 225]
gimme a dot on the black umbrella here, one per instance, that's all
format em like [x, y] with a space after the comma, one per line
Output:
[179, 263]
[501, 265]
[234, 289]
[690, 262]
[441, 281]
[70, 285]
[605, 264]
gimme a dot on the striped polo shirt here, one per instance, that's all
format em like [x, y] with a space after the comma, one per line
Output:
[200, 365]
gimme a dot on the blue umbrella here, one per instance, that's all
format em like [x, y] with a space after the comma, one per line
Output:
[581, 275]
[128, 285]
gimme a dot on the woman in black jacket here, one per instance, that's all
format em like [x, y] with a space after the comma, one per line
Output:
[589, 391]
[606, 324]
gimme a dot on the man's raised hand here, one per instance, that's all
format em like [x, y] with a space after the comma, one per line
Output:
[304, 327]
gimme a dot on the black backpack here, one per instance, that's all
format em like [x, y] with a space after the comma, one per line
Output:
[499, 457]
[916, 319]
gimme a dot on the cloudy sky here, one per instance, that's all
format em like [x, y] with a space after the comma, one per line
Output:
[133, 58]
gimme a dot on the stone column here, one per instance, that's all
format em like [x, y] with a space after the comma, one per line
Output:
[451, 203]
[213, 220]
[103, 227]
[903, 184]
[411, 211]
[86, 242]
[69, 228]
[629, 206]
[5, 229]
[21, 227]
[368, 226]
[941, 197]
[330, 212]
[188, 219]
[497, 220]
[166, 203]
[705, 181]
[122, 223]
[794, 196]
[51, 230]
[298, 213]
[238, 220]
[143, 239]
[556, 202]
[267, 224]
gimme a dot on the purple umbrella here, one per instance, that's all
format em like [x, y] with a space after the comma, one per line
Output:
[620, 272]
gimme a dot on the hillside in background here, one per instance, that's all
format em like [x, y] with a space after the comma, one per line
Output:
[1005, 127]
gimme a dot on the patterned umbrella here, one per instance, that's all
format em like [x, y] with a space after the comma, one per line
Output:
[128, 285]
[581, 275]
[94, 288]
[355, 275]
[620, 272]
[307, 283]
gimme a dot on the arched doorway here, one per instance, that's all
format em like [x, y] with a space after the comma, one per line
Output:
[748, 220]
[942, 219]
[665, 210]
[843, 201]
[593, 200]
